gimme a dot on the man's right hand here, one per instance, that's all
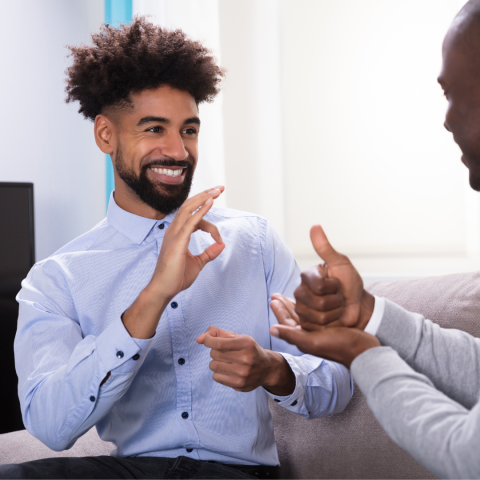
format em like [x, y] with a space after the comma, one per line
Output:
[176, 268]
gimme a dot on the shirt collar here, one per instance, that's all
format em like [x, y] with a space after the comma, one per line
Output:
[134, 227]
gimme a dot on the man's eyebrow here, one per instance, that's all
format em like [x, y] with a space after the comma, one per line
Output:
[152, 119]
[192, 120]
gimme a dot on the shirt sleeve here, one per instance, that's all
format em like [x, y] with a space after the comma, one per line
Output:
[440, 433]
[60, 371]
[322, 386]
[376, 318]
[450, 358]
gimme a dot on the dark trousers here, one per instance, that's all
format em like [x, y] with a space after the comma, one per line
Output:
[133, 467]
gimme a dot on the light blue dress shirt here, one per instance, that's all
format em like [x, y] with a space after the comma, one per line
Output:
[160, 399]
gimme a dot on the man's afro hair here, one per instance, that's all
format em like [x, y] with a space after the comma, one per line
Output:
[137, 57]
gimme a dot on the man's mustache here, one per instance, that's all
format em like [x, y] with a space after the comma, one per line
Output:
[168, 163]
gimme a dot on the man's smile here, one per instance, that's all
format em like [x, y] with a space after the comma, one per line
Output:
[170, 175]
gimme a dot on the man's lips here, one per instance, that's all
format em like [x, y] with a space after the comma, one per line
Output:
[170, 175]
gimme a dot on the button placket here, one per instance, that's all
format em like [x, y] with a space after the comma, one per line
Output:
[176, 323]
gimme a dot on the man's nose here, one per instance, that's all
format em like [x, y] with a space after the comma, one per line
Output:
[173, 147]
[445, 124]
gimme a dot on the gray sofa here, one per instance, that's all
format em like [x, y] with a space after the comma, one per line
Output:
[347, 445]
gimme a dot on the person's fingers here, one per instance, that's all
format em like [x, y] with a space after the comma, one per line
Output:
[237, 383]
[318, 283]
[283, 315]
[210, 253]
[322, 303]
[319, 320]
[192, 204]
[294, 335]
[213, 331]
[210, 228]
[324, 249]
[311, 315]
[289, 304]
[228, 343]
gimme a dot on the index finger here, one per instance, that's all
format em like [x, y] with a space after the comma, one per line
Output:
[283, 315]
[289, 304]
[224, 344]
[194, 203]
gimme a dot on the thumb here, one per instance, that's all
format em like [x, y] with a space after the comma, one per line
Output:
[294, 335]
[322, 246]
[215, 332]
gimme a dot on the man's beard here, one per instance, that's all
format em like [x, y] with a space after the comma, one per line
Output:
[162, 197]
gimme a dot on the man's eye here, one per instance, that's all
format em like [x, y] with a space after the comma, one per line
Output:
[154, 129]
[190, 131]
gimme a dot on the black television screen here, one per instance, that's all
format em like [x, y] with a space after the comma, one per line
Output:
[17, 244]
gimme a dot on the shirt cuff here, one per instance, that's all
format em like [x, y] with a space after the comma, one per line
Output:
[294, 401]
[118, 351]
[377, 315]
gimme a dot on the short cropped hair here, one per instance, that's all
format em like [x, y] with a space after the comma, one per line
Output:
[137, 57]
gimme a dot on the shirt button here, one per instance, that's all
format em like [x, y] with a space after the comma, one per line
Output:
[161, 226]
[174, 304]
[181, 361]
[136, 356]
[294, 403]
[277, 400]
[119, 354]
[92, 398]
[189, 450]
[185, 415]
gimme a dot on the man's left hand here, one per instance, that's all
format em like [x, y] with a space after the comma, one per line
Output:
[239, 362]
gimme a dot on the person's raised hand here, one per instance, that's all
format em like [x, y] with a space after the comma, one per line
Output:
[317, 296]
[239, 362]
[176, 267]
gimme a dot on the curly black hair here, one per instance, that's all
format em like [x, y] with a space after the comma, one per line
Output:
[137, 57]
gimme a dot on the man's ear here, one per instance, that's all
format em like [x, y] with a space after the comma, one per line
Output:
[105, 134]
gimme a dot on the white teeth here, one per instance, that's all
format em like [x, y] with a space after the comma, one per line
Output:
[166, 171]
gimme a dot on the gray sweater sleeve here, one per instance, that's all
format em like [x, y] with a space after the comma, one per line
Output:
[449, 358]
[438, 432]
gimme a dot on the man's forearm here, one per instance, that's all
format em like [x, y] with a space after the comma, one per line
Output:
[450, 358]
[142, 317]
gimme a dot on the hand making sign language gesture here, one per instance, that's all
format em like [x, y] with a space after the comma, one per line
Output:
[176, 268]
[331, 309]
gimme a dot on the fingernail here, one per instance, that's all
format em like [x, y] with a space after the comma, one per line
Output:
[214, 191]
[274, 332]
[293, 323]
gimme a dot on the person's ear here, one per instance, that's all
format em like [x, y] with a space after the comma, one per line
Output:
[105, 134]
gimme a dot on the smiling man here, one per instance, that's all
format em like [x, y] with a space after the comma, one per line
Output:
[122, 328]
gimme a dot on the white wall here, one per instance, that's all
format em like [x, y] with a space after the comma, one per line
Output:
[43, 140]
[367, 154]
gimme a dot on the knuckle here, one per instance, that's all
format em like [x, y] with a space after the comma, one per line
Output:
[321, 303]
